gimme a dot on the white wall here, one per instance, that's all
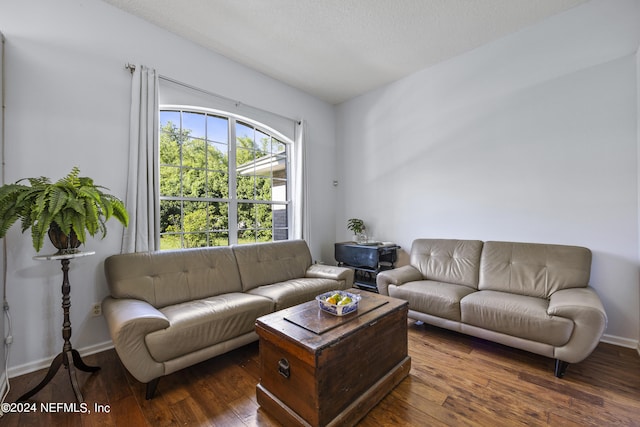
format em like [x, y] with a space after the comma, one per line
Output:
[68, 104]
[531, 138]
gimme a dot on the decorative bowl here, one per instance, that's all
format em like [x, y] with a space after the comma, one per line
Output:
[338, 309]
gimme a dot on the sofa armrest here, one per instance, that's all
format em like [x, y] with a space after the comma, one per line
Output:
[583, 306]
[323, 271]
[397, 276]
[129, 322]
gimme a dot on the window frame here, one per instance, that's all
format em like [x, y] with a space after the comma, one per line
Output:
[232, 200]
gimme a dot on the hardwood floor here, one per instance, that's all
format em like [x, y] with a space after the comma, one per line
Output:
[455, 380]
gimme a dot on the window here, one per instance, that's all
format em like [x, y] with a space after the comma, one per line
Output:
[223, 180]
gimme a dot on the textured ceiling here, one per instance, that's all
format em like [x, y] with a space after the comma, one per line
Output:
[339, 49]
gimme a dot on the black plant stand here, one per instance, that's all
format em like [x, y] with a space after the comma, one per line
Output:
[69, 357]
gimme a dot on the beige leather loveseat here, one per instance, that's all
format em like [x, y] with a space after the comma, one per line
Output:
[533, 297]
[172, 309]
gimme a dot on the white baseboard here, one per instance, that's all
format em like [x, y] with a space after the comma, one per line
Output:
[622, 342]
[16, 371]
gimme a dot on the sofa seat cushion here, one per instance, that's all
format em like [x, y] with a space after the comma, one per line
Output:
[516, 315]
[295, 291]
[198, 324]
[436, 298]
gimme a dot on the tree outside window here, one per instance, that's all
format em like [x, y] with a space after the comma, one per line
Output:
[222, 181]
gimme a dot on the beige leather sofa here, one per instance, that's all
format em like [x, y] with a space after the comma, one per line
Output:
[171, 309]
[533, 297]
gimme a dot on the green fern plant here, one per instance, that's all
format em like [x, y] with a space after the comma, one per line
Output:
[74, 204]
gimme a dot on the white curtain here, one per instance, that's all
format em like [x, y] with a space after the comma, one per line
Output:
[142, 201]
[300, 193]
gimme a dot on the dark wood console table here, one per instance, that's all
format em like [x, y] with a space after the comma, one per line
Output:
[367, 260]
[69, 357]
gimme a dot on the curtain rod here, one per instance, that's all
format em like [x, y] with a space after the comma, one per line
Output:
[132, 68]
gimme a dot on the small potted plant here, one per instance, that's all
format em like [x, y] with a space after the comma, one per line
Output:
[357, 226]
[65, 210]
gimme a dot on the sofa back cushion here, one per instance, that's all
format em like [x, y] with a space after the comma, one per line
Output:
[169, 277]
[447, 260]
[272, 262]
[533, 269]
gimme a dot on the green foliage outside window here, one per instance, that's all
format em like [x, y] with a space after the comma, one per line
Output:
[195, 171]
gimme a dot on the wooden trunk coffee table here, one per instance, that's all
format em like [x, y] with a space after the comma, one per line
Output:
[322, 370]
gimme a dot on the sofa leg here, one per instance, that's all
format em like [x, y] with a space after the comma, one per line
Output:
[151, 388]
[561, 368]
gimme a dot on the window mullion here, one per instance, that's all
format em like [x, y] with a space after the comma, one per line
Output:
[180, 180]
[233, 198]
